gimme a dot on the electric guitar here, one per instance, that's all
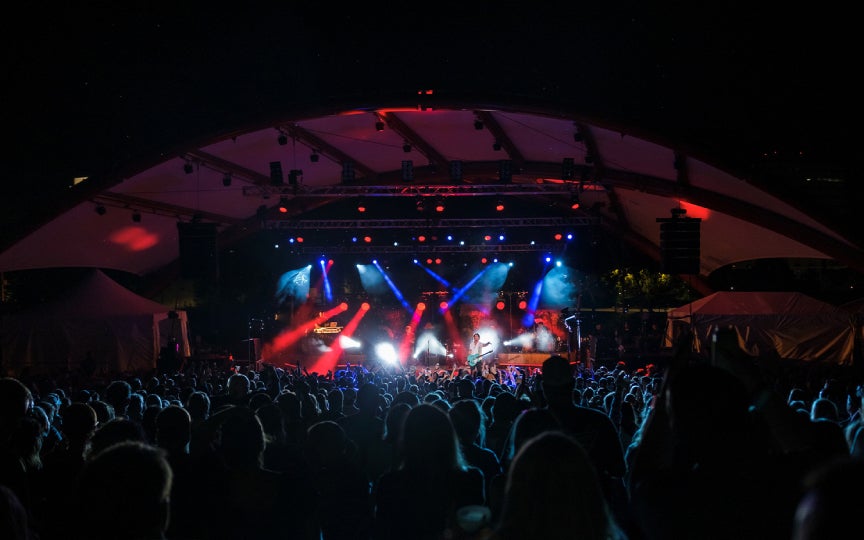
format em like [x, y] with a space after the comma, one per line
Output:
[474, 358]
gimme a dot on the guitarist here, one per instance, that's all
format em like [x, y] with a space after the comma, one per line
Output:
[475, 352]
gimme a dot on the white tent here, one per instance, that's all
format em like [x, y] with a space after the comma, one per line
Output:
[99, 323]
[794, 325]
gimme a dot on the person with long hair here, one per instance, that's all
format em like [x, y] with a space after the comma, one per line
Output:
[420, 498]
[553, 492]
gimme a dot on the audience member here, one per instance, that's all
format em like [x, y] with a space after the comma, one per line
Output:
[263, 503]
[702, 445]
[554, 492]
[432, 476]
[345, 505]
[114, 431]
[703, 470]
[16, 400]
[591, 428]
[830, 506]
[62, 468]
[124, 492]
[118, 394]
[470, 426]
[14, 519]
[366, 429]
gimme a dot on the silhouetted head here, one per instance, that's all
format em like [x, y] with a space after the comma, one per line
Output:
[242, 442]
[429, 441]
[115, 431]
[553, 480]
[117, 394]
[125, 490]
[557, 376]
[173, 428]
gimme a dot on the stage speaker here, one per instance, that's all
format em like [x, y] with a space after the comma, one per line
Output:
[199, 257]
[276, 177]
[679, 245]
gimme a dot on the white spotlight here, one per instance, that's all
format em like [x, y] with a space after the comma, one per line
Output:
[386, 353]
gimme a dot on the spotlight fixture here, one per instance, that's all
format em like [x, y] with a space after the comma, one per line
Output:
[575, 203]
[283, 205]
[420, 206]
[478, 124]
[496, 146]
[136, 216]
[379, 125]
[314, 157]
[439, 205]
[282, 139]
[226, 179]
[361, 205]
[406, 148]
[188, 168]
[499, 206]
[100, 210]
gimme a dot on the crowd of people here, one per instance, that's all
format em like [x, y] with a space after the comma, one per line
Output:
[724, 447]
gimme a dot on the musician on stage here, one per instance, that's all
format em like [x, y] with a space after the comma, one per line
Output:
[475, 354]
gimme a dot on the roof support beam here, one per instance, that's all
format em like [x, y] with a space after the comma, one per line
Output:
[317, 143]
[501, 137]
[225, 166]
[435, 158]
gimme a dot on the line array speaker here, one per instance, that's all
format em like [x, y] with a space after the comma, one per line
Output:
[680, 245]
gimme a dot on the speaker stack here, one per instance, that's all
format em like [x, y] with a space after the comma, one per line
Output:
[679, 245]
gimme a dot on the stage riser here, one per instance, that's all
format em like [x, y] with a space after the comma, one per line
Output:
[522, 359]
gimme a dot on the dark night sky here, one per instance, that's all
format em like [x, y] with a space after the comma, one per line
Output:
[89, 89]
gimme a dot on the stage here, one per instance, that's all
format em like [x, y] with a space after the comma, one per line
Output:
[524, 359]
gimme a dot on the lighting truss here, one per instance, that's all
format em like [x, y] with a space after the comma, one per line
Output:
[348, 224]
[448, 190]
[417, 249]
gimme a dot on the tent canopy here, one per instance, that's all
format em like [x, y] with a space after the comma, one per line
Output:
[793, 325]
[99, 325]
[243, 185]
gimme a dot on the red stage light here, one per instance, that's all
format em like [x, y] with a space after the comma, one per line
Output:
[500, 305]
[365, 306]
[558, 236]
[443, 306]
[523, 304]
[421, 306]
